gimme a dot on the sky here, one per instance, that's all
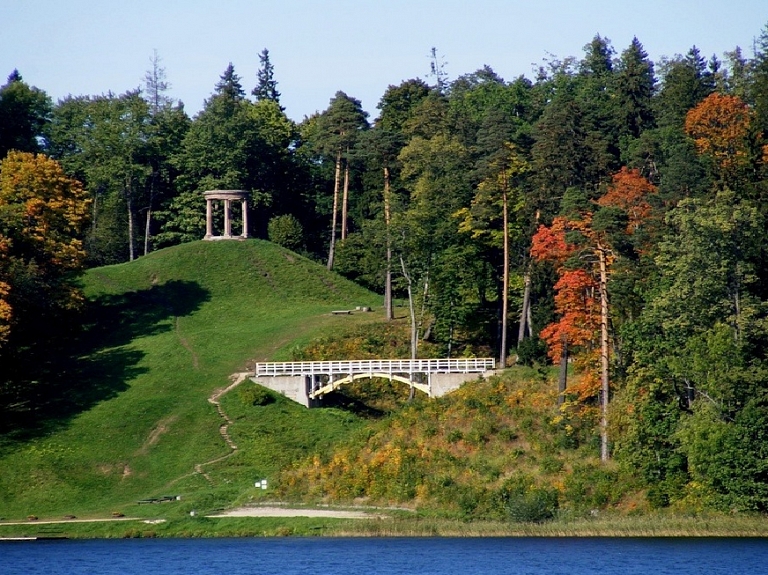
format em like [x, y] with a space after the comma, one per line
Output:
[90, 47]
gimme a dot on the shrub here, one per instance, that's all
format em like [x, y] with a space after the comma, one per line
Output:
[525, 502]
[590, 486]
[454, 436]
[255, 395]
[286, 231]
[532, 351]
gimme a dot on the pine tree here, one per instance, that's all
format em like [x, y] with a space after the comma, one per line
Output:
[758, 85]
[229, 85]
[338, 128]
[266, 89]
[686, 83]
[155, 85]
[634, 87]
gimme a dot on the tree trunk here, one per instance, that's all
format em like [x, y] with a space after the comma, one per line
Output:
[388, 308]
[411, 310]
[129, 204]
[525, 311]
[336, 181]
[148, 225]
[505, 285]
[424, 298]
[530, 320]
[604, 390]
[414, 329]
[146, 230]
[345, 199]
[562, 382]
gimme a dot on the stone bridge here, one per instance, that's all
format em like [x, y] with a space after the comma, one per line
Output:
[306, 382]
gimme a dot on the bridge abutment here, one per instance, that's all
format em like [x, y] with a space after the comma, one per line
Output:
[442, 383]
[294, 387]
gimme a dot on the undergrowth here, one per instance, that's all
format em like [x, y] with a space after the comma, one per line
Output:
[496, 449]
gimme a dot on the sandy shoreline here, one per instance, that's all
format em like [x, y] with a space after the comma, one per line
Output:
[288, 512]
[258, 511]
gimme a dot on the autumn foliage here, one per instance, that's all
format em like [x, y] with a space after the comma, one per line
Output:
[549, 243]
[577, 303]
[42, 215]
[577, 291]
[630, 191]
[720, 126]
[576, 298]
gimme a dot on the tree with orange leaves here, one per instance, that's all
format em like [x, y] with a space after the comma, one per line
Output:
[720, 128]
[630, 191]
[579, 310]
[575, 300]
[42, 215]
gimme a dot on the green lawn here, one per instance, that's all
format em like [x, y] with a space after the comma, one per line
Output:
[132, 419]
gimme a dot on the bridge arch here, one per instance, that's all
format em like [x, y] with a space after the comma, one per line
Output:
[337, 383]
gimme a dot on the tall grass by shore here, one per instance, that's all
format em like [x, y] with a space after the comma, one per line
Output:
[398, 525]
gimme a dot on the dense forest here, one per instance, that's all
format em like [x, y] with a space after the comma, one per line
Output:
[609, 213]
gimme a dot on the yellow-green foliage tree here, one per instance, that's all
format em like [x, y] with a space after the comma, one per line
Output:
[42, 216]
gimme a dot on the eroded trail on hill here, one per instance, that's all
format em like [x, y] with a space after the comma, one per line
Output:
[236, 379]
[185, 344]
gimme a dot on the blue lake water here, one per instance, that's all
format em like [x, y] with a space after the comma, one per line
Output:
[387, 556]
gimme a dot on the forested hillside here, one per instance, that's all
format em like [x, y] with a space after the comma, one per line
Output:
[609, 214]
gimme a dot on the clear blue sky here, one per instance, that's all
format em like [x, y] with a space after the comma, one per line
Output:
[88, 47]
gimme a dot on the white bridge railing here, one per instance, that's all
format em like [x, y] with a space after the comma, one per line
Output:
[393, 366]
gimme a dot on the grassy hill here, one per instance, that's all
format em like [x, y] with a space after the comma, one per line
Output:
[130, 417]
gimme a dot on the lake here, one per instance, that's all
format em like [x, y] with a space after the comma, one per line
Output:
[387, 556]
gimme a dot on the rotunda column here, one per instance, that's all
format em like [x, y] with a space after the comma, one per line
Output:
[245, 217]
[208, 218]
[227, 220]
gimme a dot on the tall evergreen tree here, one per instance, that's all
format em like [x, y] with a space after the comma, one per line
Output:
[686, 82]
[156, 85]
[266, 88]
[338, 127]
[634, 86]
[758, 81]
[229, 85]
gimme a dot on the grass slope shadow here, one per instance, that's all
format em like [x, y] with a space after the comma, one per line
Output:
[93, 363]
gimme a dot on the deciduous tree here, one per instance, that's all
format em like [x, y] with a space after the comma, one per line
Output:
[42, 215]
[24, 114]
[720, 127]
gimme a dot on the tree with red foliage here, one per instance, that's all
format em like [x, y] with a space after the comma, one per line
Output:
[629, 191]
[581, 298]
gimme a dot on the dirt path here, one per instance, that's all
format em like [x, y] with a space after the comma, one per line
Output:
[185, 344]
[289, 512]
[57, 521]
[236, 379]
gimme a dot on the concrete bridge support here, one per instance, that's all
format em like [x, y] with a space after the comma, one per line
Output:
[294, 387]
[442, 383]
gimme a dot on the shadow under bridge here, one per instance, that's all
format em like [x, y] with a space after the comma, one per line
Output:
[308, 381]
